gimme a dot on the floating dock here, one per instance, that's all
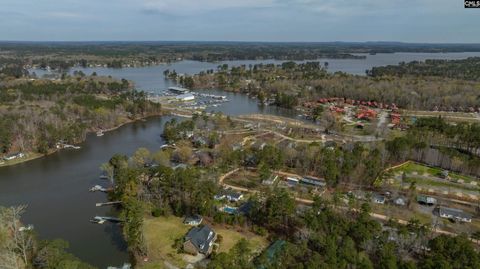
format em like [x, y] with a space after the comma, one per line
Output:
[100, 188]
[108, 203]
[102, 219]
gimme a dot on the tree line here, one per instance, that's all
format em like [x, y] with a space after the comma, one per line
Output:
[40, 113]
[464, 69]
[307, 82]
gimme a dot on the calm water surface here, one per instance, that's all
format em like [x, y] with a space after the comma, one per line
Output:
[56, 187]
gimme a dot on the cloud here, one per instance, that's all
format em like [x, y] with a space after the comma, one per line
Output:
[269, 20]
[189, 7]
[64, 15]
[325, 7]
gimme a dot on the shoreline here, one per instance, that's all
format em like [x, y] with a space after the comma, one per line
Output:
[35, 155]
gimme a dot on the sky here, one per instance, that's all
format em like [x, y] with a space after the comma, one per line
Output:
[430, 21]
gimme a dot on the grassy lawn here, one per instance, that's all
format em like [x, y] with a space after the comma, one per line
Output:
[466, 179]
[412, 167]
[30, 156]
[401, 213]
[153, 265]
[446, 184]
[244, 178]
[232, 236]
[161, 233]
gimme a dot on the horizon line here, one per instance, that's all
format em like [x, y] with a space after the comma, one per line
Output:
[238, 41]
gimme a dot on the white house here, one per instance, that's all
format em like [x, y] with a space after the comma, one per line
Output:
[292, 180]
[193, 220]
[234, 196]
[231, 196]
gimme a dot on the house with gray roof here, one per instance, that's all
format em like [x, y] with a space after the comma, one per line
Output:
[200, 239]
[426, 200]
[378, 199]
[230, 195]
[454, 214]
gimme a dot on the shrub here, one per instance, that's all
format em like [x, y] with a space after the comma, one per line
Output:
[157, 212]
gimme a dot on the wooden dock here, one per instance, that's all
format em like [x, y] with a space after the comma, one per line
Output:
[108, 203]
[102, 219]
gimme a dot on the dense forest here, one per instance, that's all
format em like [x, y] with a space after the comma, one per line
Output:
[439, 143]
[291, 83]
[327, 234]
[466, 69]
[38, 114]
[321, 236]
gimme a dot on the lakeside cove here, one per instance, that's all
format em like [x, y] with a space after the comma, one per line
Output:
[63, 177]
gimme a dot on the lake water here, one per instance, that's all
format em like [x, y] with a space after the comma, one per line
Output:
[151, 78]
[55, 187]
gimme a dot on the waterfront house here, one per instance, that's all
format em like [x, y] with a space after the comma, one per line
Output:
[199, 239]
[14, 156]
[454, 214]
[193, 220]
